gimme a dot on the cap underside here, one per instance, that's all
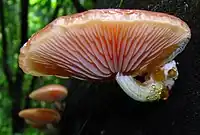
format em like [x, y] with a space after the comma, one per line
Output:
[99, 49]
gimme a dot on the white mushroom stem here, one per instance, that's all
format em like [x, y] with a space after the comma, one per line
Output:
[150, 90]
[137, 91]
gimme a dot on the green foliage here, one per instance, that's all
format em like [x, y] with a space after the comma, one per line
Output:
[88, 4]
[40, 13]
[5, 120]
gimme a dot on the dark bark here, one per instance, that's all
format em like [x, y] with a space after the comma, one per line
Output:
[6, 68]
[104, 109]
[18, 123]
[26, 98]
[32, 87]
[14, 88]
[55, 13]
[78, 6]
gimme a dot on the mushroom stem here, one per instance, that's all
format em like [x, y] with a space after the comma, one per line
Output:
[59, 106]
[139, 92]
[152, 89]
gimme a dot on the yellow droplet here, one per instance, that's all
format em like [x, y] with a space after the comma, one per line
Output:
[164, 94]
[172, 73]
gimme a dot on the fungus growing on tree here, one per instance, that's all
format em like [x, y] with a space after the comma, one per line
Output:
[52, 93]
[49, 93]
[107, 44]
[39, 117]
[43, 118]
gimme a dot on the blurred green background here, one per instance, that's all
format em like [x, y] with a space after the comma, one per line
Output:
[19, 19]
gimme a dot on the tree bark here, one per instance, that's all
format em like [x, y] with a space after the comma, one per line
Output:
[14, 88]
[55, 13]
[32, 87]
[104, 109]
[18, 123]
[78, 6]
[6, 67]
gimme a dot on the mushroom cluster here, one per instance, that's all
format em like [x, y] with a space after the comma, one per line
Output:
[111, 44]
[44, 118]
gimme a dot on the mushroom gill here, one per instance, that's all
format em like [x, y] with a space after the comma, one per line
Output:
[100, 44]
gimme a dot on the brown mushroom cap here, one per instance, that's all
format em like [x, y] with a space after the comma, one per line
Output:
[97, 44]
[49, 93]
[40, 115]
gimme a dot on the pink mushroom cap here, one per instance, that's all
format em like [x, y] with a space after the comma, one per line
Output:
[98, 44]
[49, 93]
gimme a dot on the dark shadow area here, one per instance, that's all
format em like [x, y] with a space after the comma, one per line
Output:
[104, 109]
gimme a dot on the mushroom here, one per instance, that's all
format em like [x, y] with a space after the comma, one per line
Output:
[41, 116]
[108, 44]
[50, 93]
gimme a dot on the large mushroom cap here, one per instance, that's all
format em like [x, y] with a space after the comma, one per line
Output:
[97, 44]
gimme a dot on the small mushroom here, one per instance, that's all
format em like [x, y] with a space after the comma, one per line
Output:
[40, 116]
[108, 44]
[51, 93]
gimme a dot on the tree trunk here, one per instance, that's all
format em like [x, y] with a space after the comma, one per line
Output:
[18, 123]
[14, 88]
[104, 109]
